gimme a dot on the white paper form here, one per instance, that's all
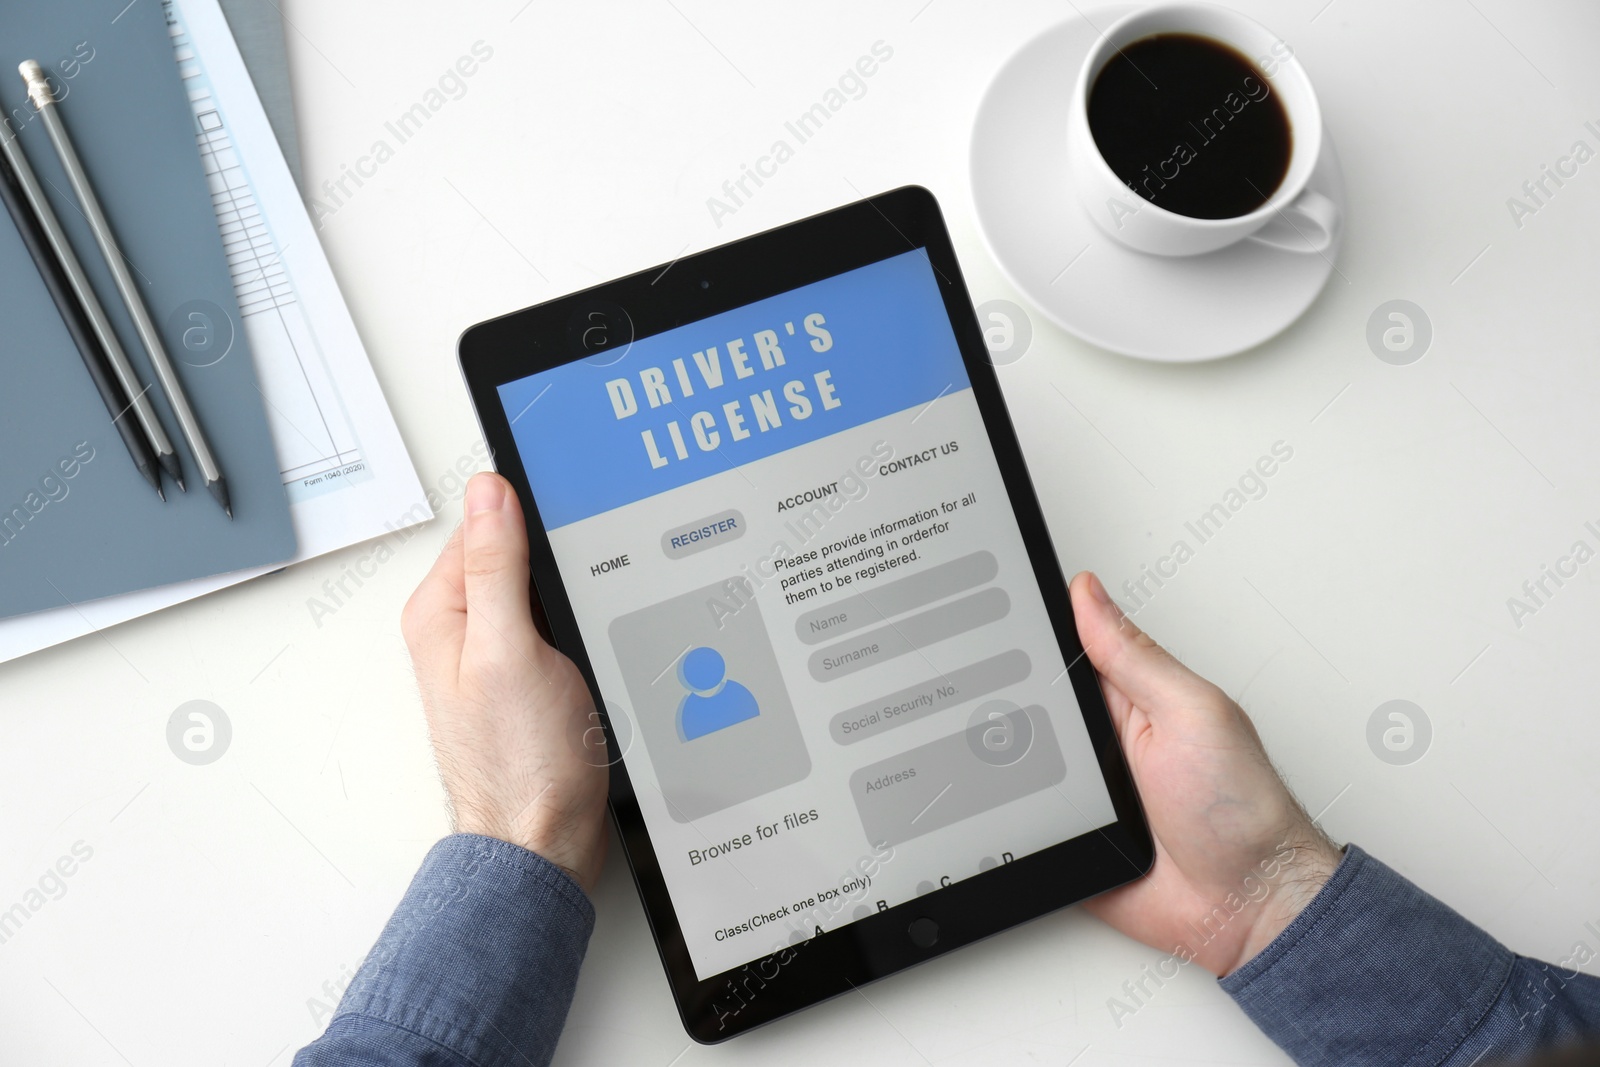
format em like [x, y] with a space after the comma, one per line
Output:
[317, 446]
[344, 466]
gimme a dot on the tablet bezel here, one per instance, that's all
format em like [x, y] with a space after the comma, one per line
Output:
[696, 287]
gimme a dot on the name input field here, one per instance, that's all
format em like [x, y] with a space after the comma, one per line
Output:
[914, 591]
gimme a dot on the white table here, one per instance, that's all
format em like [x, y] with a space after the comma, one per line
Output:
[221, 903]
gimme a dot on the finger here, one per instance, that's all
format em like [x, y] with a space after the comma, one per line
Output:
[495, 570]
[1118, 704]
[1117, 701]
[1130, 906]
[1125, 655]
[541, 621]
[435, 618]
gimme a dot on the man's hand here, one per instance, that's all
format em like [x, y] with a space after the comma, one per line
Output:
[1237, 858]
[513, 725]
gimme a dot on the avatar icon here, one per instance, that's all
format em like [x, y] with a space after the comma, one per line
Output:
[714, 702]
[708, 698]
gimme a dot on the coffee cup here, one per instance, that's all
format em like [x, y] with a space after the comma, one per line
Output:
[1172, 40]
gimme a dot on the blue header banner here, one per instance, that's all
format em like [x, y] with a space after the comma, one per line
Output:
[734, 388]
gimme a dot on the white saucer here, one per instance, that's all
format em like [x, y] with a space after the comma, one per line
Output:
[1174, 309]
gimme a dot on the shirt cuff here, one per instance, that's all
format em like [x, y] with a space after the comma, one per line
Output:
[481, 957]
[1374, 970]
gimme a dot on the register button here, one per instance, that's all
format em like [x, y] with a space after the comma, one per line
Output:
[698, 536]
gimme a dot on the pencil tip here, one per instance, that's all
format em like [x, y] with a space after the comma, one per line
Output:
[219, 490]
[169, 463]
[151, 474]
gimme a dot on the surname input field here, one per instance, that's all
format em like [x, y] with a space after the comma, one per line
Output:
[918, 631]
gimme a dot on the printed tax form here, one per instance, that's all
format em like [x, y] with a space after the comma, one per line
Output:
[344, 466]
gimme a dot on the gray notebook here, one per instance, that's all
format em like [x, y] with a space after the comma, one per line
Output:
[77, 521]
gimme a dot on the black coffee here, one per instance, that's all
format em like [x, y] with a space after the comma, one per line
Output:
[1190, 125]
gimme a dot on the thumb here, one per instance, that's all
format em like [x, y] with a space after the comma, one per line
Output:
[1125, 655]
[495, 568]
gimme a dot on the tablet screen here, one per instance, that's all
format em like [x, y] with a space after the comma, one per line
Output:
[809, 608]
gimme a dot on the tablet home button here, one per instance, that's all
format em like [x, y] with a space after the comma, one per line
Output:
[924, 933]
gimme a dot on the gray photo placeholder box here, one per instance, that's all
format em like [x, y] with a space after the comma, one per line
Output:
[709, 699]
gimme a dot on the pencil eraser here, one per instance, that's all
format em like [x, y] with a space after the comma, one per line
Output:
[38, 85]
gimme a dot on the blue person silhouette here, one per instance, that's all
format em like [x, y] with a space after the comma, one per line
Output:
[713, 702]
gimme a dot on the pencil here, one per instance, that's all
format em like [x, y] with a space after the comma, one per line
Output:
[149, 422]
[77, 323]
[44, 101]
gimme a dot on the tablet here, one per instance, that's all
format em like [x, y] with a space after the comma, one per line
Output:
[779, 518]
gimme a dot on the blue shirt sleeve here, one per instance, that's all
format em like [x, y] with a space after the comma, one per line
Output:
[1374, 970]
[476, 968]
